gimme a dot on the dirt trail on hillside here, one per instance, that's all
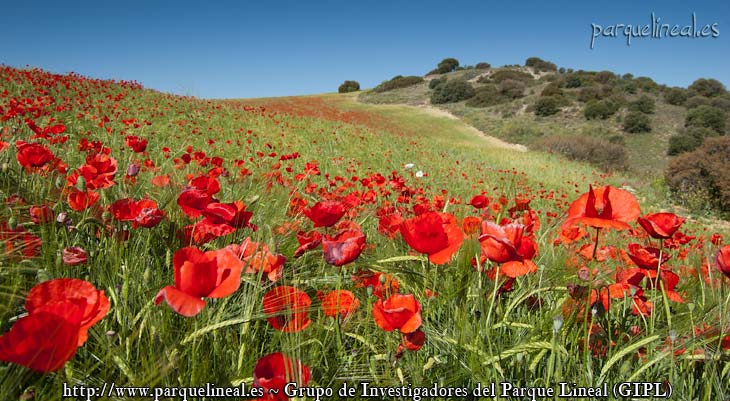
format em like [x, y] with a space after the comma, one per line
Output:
[494, 141]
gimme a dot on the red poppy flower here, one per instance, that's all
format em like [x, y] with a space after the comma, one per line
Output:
[339, 301]
[95, 304]
[99, 171]
[81, 200]
[435, 234]
[137, 144]
[389, 224]
[661, 225]
[74, 256]
[479, 201]
[722, 260]
[325, 213]
[160, 180]
[510, 246]
[307, 241]
[381, 284]
[147, 214]
[33, 156]
[646, 257]
[344, 247]
[233, 213]
[41, 214]
[414, 341]
[471, 225]
[193, 201]
[212, 274]
[257, 258]
[19, 240]
[45, 340]
[605, 207]
[274, 371]
[287, 309]
[402, 312]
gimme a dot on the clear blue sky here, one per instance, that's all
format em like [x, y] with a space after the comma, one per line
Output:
[227, 49]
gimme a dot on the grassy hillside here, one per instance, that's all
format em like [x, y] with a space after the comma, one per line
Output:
[429, 302]
[515, 120]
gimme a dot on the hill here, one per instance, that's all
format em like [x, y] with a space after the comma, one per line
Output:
[164, 242]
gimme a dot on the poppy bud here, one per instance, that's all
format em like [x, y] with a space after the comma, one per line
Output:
[12, 223]
[5, 167]
[81, 184]
[132, 170]
[59, 183]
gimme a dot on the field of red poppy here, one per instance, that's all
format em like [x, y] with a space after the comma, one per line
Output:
[151, 240]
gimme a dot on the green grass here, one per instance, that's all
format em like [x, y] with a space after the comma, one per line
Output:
[473, 335]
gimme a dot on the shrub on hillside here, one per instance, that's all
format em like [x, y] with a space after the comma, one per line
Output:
[503, 75]
[446, 65]
[452, 91]
[547, 106]
[706, 116]
[688, 140]
[349, 86]
[511, 88]
[485, 96]
[643, 104]
[540, 65]
[600, 109]
[707, 87]
[646, 84]
[636, 122]
[436, 82]
[398, 81]
[589, 93]
[599, 152]
[604, 77]
[483, 66]
[722, 103]
[552, 89]
[697, 101]
[573, 81]
[704, 172]
[675, 96]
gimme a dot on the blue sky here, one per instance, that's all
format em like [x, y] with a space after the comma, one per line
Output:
[237, 49]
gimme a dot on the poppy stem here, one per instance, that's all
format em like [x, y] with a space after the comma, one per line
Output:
[595, 246]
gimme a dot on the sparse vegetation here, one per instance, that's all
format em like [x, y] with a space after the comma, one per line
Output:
[599, 152]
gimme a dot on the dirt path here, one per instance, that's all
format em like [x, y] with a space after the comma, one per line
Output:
[494, 141]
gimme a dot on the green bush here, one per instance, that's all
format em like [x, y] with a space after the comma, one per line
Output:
[722, 103]
[485, 96]
[349, 86]
[703, 172]
[643, 104]
[436, 82]
[511, 88]
[483, 66]
[707, 87]
[446, 65]
[599, 152]
[398, 81]
[503, 75]
[604, 77]
[636, 121]
[675, 96]
[688, 140]
[697, 101]
[706, 116]
[452, 91]
[573, 81]
[540, 65]
[547, 106]
[646, 84]
[552, 89]
[600, 109]
[589, 93]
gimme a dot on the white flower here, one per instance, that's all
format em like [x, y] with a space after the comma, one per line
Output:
[409, 166]
[419, 173]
